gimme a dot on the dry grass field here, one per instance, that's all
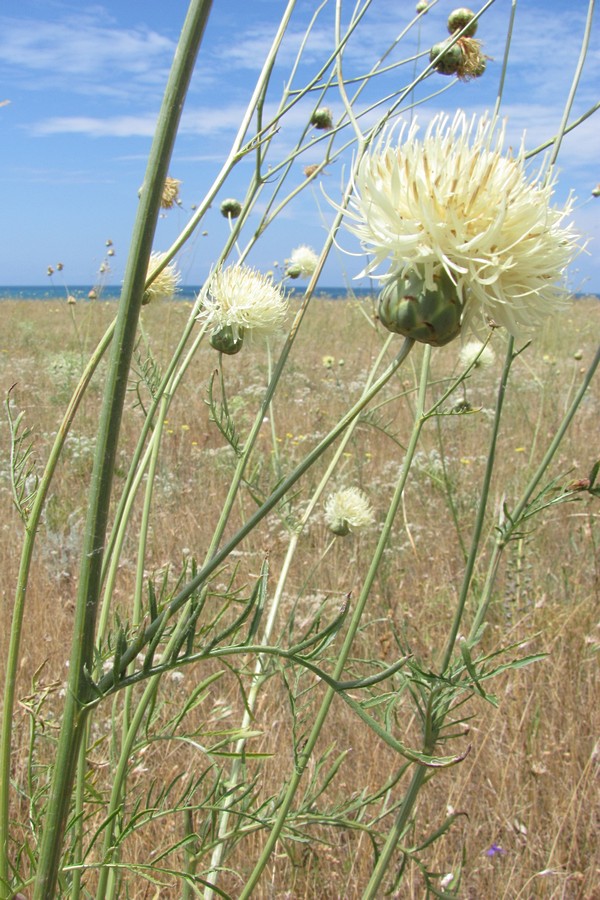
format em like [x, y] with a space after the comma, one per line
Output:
[527, 790]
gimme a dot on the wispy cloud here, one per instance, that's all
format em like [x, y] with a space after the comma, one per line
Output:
[81, 53]
[196, 120]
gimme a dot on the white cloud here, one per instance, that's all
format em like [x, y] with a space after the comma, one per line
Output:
[81, 53]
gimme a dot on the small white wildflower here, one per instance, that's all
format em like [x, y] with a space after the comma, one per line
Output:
[347, 508]
[475, 354]
[165, 284]
[302, 262]
[447, 880]
[452, 205]
[242, 299]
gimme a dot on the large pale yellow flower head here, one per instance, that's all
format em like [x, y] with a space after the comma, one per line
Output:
[244, 300]
[453, 204]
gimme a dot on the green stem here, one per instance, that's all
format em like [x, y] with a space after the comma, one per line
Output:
[14, 648]
[178, 601]
[521, 506]
[304, 755]
[481, 510]
[259, 665]
[372, 890]
[81, 662]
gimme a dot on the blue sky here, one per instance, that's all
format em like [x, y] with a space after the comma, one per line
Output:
[84, 83]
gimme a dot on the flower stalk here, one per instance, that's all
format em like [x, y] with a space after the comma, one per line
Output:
[81, 662]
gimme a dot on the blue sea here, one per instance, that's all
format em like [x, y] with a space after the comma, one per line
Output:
[111, 292]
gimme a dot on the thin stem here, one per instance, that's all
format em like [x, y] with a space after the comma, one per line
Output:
[304, 755]
[257, 677]
[481, 510]
[106, 683]
[574, 85]
[14, 647]
[521, 506]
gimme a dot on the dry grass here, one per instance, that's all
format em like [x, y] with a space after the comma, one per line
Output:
[530, 781]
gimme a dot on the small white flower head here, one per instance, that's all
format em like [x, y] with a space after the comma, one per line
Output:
[347, 509]
[302, 263]
[244, 302]
[165, 284]
[453, 203]
[475, 354]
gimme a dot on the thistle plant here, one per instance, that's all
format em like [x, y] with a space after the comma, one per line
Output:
[155, 769]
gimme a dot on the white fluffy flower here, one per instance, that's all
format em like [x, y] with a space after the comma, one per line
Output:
[165, 284]
[302, 262]
[347, 508]
[244, 300]
[475, 354]
[452, 201]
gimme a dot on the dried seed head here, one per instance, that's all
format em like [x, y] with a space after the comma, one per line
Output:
[170, 193]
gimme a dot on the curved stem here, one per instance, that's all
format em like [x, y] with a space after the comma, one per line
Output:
[14, 647]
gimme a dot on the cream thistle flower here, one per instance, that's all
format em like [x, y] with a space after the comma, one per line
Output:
[451, 211]
[302, 262]
[475, 354]
[346, 509]
[239, 301]
[165, 284]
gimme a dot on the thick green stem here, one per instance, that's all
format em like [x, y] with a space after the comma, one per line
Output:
[81, 663]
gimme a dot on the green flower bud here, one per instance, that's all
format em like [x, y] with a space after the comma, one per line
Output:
[230, 208]
[429, 316]
[322, 118]
[293, 271]
[225, 341]
[451, 60]
[460, 18]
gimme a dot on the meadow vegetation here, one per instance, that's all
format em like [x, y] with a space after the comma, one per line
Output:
[522, 804]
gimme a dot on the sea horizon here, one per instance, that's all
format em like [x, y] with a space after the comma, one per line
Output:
[185, 293]
[112, 292]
